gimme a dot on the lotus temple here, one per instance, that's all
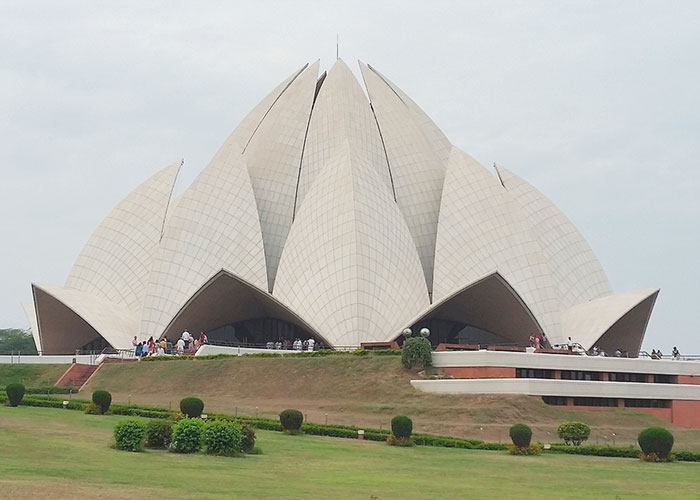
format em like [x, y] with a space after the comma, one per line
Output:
[343, 214]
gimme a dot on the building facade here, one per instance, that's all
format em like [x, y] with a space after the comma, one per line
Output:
[344, 216]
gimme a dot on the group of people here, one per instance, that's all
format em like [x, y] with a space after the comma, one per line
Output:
[151, 347]
[296, 345]
[657, 354]
[540, 341]
[597, 351]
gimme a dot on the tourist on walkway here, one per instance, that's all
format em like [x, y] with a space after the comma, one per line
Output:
[187, 338]
[202, 338]
[311, 343]
[676, 354]
[180, 346]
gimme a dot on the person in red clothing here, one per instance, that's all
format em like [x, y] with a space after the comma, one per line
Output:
[202, 338]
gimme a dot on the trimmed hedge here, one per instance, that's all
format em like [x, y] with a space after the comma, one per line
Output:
[247, 438]
[48, 390]
[416, 352]
[573, 433]
[129, 435]
[187, 436]
[401, 426]
[159, 434]
[15, 393]
[656, 440]
[102, 399]
[521, 435]
[222, 438]
[192, 407]
[687, 456]
[598, 451]
[291, 420]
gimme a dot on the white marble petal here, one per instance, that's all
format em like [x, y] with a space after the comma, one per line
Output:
[115, 262]
[350, 267]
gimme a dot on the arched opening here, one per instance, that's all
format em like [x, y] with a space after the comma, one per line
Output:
[486, 312]
[627, 332]
[231, 310]
[61, 329]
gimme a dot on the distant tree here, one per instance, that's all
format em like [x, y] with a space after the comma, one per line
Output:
[16, 339]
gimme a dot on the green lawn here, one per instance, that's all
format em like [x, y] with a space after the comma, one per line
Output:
[31, 375]
[51, 453]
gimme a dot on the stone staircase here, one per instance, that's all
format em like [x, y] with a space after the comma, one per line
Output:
[76, 375]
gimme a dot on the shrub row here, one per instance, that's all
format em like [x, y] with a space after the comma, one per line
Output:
[302, 354]
[47, 390]
[599, 451]
[347, 431]
[189, 435]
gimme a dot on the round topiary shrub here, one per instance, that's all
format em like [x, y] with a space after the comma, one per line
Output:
[159, 433]
[15, 393]
[291, 420]
[401, 426]
[416, 352]
[187, 436]
[657, 441]
[521, 435]
[248, 439]
[222, 438]
[192, 407]
[573, 433]
[129, 434]
[102, 400]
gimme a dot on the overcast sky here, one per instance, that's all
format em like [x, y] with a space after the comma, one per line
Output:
[597, 104]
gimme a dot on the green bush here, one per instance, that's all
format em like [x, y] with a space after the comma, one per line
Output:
[521, 435]
[159, 433]
[222, 438]
[399, 441]
[129, 434]
[656, 440]
[192, 407]
[92, 409]
[401, 426]
[102, 399]
[416, 352]
[187, 436]
[532, 449]
[291, 420]
[573, 433]
[15, 393]
[248, 438]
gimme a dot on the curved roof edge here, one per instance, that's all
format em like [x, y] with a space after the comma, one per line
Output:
[618, 321]
[490, 288]
[113, 322]
[30, 312]
[256, 298]
[114, 263]
[573, 265]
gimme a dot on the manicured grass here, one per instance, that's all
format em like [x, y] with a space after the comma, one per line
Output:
[52, 453]
[31, 375]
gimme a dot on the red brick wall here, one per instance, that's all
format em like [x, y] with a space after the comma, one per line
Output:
[688, 379]
[686, 413]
